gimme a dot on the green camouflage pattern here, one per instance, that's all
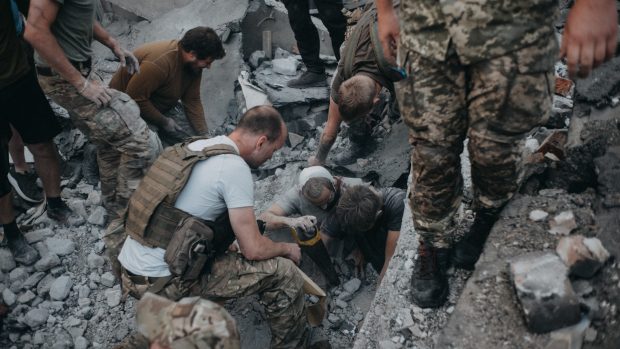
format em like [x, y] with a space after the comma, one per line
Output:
[479, 29]
[190, 323]
[126, 147]
[275, 280]
[494, 103]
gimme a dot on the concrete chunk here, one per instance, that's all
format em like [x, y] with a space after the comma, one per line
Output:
[59, 246]
[352, 285]
[98, 216]
[563, 223]
[583, 256]
[36, 317]
[545, 293]
[95, 261]
[60, 288]
[9, 297]
[108, 279]
[285, 66]
[47, 262]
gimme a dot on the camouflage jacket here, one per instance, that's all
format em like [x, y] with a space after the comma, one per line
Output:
[479, 29]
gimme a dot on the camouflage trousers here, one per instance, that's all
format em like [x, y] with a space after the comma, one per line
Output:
[126, 147]
[277, 283]
[494, 103]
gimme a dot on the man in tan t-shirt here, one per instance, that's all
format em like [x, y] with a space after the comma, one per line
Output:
[171, 70]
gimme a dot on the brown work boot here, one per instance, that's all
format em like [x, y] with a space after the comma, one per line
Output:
[468, 249]
[429, 283]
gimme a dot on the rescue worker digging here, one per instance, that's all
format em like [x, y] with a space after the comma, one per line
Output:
[206, 185]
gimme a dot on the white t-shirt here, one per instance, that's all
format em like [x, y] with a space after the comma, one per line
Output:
[214, 186]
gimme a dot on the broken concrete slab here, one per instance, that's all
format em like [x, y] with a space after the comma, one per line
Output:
[285, 66]
[563, 223]
[583, 256]
[546, 296]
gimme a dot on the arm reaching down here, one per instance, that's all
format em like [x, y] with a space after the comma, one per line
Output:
[328, 137]
[275, 218]
[255, 246]
[390, 247]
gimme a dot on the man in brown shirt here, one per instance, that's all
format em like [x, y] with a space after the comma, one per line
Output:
[363, 71]
[169, 71]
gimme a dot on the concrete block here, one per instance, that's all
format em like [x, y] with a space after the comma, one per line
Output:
[60, 288]
[563, 223]
[59, 246]
[583, 256]
[544, 291]
[285, 66]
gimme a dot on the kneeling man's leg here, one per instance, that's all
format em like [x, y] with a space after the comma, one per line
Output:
[278, 285]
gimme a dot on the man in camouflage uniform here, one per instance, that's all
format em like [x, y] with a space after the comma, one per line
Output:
[189, 323]
[482, 70]
[61, 31]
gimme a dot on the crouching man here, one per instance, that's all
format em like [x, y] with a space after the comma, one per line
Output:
[372, 218]
[194, 201]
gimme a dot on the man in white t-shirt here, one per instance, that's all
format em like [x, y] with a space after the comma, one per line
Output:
[221, 184]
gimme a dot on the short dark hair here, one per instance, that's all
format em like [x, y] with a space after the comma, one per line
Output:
[262, 120]
[356, 97]
[204, 42]
[357, 208]
[313, 188]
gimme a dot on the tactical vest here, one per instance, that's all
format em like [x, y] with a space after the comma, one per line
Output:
[151, 215]
[369, 19]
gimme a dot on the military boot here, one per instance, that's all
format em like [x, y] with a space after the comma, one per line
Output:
[429, 284]
[22, 251]
[468, 249]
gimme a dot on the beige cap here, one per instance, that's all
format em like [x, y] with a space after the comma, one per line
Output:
[312, 172]
[187, 324]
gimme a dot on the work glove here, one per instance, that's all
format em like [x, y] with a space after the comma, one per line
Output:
[128, 60]
[95, 92]
[304, 222]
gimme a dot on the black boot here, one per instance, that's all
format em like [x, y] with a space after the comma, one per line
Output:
[309, 79]
[22, 252]
[468, 249]
[350, 155]
[429, 284]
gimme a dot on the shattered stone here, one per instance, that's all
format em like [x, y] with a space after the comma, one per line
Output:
[108, 279]
[546, 296]
[94, 198]
[285, 66]
[60, 288]
[84, 302]
[583, 256]
[26, 297]
[33, 279]
[582, 288]
[7, 263]
[83, 291]
[9, 297]
[44, 285]
[256, 58]
[99, 247]
[80, 343]
[95, 261]
[295, 139]
[35, 318]
[554, 144]
[538, 215]
[38, 235]
[388, 344]
[113, 297]
[352, 285]
[563, 223]
[59, 246]
[98, 216]
[417, 332]
[47, 262]
[18, 274]
[341, 304]
[590, 335]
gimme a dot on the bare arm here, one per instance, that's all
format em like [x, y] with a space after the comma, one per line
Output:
[255, 246]
[41, 16]
[590, 35]
[390, 247]
[328, 137]
[388, 26]
[126, 58]
[275, 218]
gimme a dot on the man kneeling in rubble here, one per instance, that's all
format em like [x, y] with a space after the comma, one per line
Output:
[193, 202]
[363, 71]
[312, 199]
[372, 218]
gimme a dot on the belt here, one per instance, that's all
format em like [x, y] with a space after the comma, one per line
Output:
[84, 67]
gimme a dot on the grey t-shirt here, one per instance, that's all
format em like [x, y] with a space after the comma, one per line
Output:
[73, 28]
